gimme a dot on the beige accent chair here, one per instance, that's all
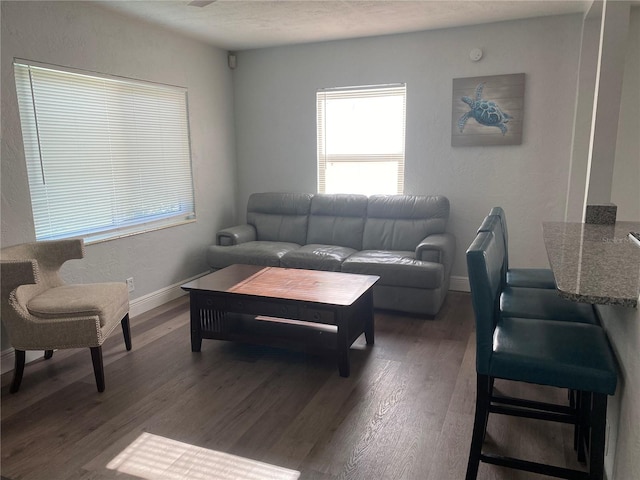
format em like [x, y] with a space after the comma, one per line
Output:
[41, 312]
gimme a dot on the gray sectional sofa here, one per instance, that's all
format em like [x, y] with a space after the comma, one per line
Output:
[400, 238]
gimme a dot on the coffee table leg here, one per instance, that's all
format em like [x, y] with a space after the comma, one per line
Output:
[369, 318]
[343, 346]
[196, 337]
[343, 363]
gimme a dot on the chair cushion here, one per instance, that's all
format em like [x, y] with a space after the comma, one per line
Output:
[544, 304]
[396, 268]
[531, 278]
[106, 300]
[252, 253]
[316, 257]
[560, 354]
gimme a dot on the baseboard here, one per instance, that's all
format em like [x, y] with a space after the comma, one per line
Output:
[143, 304]
[137, 306]
[7, 358]
[459, 284]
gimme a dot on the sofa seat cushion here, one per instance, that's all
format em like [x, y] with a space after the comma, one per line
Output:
[108, 301]
[252, 253]
[317, 257]
[395, 268]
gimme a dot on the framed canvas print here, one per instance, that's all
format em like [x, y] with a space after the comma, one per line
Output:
[487, 110]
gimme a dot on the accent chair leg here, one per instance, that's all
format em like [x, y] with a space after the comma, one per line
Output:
[126, 331]
[98, 367]
[17, 371]
[48, 354]
[483, 386]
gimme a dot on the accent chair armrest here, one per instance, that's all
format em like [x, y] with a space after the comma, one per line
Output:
[236, 235]
[17, 272]
[439, 247]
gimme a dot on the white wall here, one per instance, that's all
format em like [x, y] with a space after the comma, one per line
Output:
[275, 120]
[589, 53]
[623, 413]
[625, 192]
[83, 35]
[623, 324]
[612, 52]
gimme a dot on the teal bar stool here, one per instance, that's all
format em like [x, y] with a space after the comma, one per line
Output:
[528, 302]
[538, 303]
[561, 354]
[522, 277]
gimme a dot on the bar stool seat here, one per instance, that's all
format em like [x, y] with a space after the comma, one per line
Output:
[544, 304]
[559, 354]
[531, 278]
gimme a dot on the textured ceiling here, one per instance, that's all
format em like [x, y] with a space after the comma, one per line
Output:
[241, 24]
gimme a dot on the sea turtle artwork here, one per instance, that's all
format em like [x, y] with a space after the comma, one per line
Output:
[485, 112]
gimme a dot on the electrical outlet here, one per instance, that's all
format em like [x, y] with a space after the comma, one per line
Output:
[130, 285]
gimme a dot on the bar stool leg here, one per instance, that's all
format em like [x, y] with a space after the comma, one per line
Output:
[574, 402]
[585, 416]
[483, 386]
[598, 421]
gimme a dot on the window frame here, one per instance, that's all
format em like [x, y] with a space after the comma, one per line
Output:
[339, 93]
[136, 142]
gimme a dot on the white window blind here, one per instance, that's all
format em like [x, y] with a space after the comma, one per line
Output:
[106, 157]
[361, 139]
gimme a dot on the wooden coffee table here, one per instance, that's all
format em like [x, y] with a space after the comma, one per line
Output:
[303, 309]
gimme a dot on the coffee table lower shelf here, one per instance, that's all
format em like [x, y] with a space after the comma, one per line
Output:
[292, 334]
[274, 332]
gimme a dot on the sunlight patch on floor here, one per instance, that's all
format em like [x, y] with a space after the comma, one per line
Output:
[153, 457]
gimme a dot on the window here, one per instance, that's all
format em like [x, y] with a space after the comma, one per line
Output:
[361, 139]
[106, 157]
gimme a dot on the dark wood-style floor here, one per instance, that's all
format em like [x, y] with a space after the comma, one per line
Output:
[406, 411]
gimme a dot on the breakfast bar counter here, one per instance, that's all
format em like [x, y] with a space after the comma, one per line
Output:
[595, 263]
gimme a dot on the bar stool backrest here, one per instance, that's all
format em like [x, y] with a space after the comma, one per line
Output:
[484, 263]
[493, 223]
[505, 234]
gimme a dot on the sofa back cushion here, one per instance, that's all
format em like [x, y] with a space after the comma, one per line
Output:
[337, 219]
[400, 222]
[279, 217]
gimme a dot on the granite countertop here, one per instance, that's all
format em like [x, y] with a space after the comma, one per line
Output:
[595, 263]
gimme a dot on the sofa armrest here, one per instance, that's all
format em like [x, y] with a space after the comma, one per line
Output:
[236, 235]
[439, 247]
